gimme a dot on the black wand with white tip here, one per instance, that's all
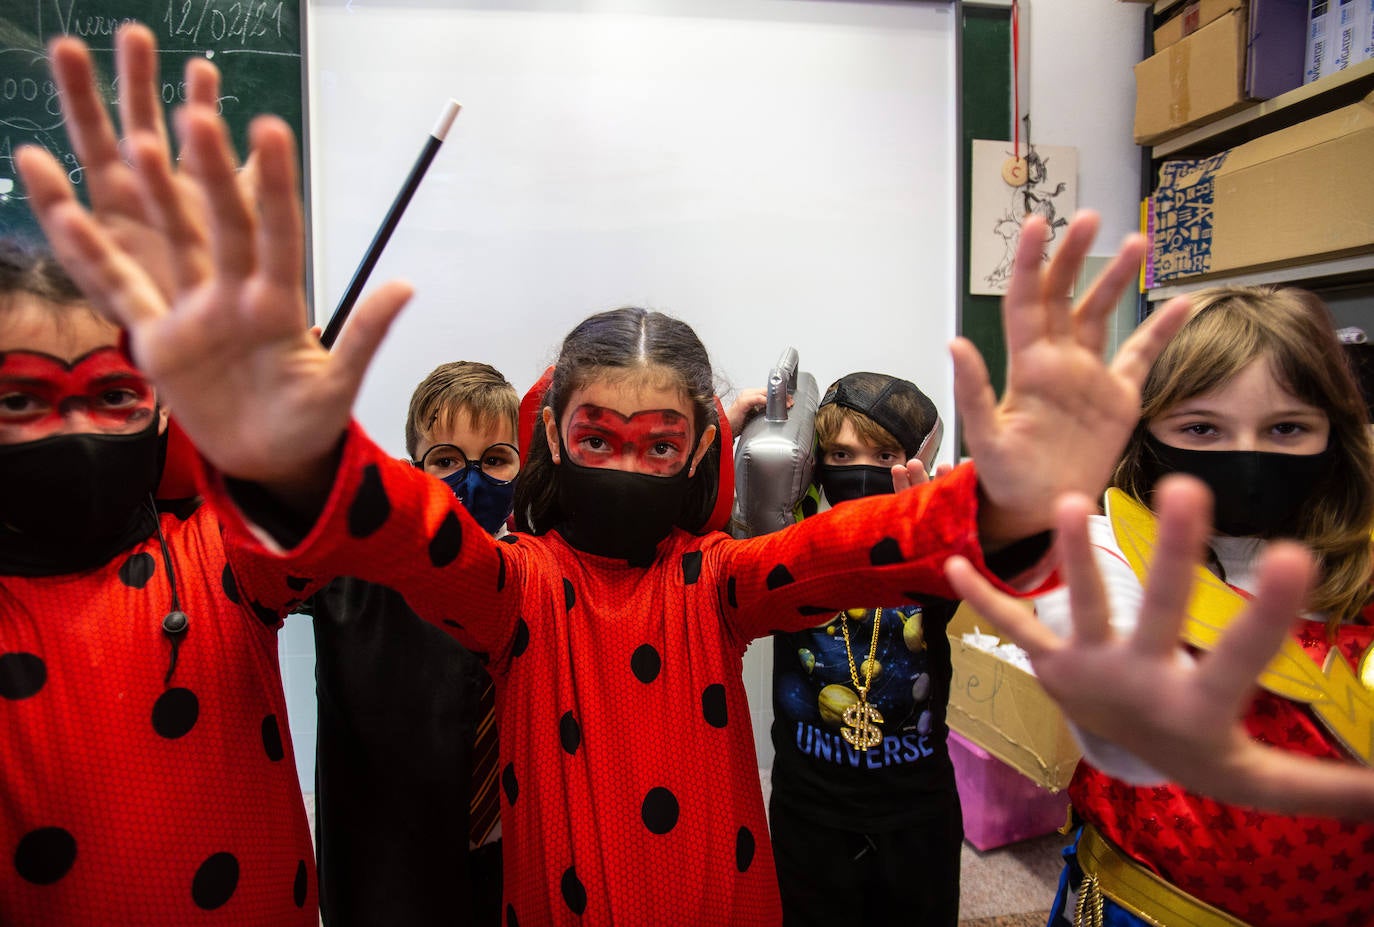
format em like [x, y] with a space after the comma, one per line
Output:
[393, 218]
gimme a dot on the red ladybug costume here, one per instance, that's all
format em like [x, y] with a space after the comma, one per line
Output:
[138, 789]
[628, 771]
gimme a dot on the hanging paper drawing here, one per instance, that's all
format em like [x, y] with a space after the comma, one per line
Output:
[1044, 182]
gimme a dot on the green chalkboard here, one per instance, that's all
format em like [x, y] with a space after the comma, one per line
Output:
[256, 44]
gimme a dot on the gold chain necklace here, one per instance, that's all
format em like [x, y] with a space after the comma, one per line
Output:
[862, 719]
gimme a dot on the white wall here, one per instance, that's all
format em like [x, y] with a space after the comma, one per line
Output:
[1079, 90]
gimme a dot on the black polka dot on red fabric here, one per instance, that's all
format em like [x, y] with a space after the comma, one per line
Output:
[645, 663]
[660, 810]
[730, 592]
[267, 616]
[301, 887]
[508, 783]
[508, 538]
[137, 570]
[298, 583]
[744, 849]
[569, 732]
[574, 892]
[447, 541]
[452, 624]
[778, 577]
[809, 506]
[522, 638]
[45, 855]
[370, 507]
[21, 675]
[885, 553]
[175, 713]
[569, 596]
[691, 567]
[511, 920]
[215, 881]
[231, 588]
[271, 738]
[500, 570]
[713, 707]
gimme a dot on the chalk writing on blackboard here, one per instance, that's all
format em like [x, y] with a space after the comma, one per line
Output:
[256, 44]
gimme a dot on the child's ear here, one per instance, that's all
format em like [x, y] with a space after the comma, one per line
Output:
[551, 432]
[703, 446]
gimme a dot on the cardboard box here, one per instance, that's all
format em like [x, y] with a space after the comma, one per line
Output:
[1001, 806]
[1003, 709]
[1191, 17]
[1295, 195]
[1197, 79]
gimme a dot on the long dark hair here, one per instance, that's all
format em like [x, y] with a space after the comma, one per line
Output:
[1293, 331]
[621, 344]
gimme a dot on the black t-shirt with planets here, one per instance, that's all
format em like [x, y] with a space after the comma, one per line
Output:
[139, 787]
[908, 776]
[629, 777]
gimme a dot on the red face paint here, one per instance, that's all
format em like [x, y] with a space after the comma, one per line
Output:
[99, 392]
[655, 441]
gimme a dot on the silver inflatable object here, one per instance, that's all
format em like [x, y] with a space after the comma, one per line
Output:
[776, 452]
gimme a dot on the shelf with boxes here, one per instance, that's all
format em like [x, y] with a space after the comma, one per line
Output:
[1268, 190]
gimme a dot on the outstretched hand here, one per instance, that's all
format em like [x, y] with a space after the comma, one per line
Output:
[205, 273]
[1178, 714]
[1065, 415]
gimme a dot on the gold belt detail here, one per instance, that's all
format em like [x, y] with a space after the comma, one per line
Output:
[1109, 872]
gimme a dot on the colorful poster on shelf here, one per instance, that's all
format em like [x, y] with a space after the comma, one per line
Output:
[1181, 240]
[1049, 189]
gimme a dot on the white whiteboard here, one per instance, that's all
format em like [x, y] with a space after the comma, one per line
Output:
[774, 172]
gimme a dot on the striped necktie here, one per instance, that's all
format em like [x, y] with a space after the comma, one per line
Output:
[486, 807]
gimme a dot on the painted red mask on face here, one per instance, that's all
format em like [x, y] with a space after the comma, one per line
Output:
[38, 392]
[654, 441]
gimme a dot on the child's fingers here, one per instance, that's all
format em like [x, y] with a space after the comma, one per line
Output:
[1088, 602]
[175, 210]
[88, 125]
[1063, 269]
[366, 328]
[1024, 316]
[282, 229]
[1096, 305]
[1138, 352]
[1011, 616]
[1285, 575]
[208, 158]
[1185, 509]
[140, 96]
[974, 397]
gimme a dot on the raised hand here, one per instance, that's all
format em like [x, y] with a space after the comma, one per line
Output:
[1178, 714]
[219, 323]
[1065, 415]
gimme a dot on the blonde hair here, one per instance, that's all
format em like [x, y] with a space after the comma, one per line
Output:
[1230, 328]
[460, 388]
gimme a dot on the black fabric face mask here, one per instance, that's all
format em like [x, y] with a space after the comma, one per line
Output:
[1257, 493]
[853, 482]
[615, 513]
[71, 502]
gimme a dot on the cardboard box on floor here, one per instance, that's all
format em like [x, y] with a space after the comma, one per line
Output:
[1003, 709]
[1295, 195]
[1192, 81]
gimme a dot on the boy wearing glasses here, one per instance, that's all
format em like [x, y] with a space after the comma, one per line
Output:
[406, 792]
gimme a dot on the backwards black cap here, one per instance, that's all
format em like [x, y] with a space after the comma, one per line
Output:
[895, 404]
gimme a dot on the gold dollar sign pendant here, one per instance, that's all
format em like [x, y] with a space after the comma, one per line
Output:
[862, 720]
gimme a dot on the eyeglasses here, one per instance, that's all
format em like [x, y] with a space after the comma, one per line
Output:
[500, 462]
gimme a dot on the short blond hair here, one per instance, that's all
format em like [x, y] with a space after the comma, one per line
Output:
[460, 388]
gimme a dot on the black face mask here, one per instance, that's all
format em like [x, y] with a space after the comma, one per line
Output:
[619, 514]
[71, 502]
[853, 482]
[1257, 493]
